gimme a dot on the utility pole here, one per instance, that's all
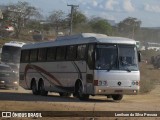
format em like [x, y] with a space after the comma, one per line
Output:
[71, 19]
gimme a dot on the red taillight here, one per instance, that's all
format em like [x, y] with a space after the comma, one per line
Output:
[95, 82]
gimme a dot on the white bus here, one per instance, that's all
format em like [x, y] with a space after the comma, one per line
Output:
[10, 55]
[11, 52]
[84, 64]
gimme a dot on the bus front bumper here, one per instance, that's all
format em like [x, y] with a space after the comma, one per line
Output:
[103, 90]
[3, 84]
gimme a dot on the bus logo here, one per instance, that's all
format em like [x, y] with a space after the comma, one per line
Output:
[119, 83]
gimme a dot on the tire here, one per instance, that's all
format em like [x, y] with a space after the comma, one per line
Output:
[42, 90]
[62, 94]
[34, 88]
[117, 97]
[80, 94]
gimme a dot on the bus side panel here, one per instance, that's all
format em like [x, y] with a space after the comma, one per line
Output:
[57, 76]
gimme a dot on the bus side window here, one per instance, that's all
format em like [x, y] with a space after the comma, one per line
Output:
[51, 52]
[71, 52]
[81, 52]
[61, 53]
[42, 54]
[25, 56]
[33, 55]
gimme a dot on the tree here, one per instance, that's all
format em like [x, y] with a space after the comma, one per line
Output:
[19, 14]
[129, 26]
[57, 19]
[100, 25]
[78, 18]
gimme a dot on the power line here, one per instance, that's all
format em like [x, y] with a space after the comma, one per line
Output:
[71, 19]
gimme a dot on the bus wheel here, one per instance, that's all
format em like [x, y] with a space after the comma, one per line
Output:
[42, 90]
[63, 94]
[34, 88]
[82, 96]
[117, 97]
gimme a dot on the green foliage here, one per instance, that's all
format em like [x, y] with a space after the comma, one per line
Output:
[129, 26]
[78, 18]
[101, 26]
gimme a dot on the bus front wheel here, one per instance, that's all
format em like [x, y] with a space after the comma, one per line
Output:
[117, 97]
[80, 94]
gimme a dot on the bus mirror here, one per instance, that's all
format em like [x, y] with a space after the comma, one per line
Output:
[139, 56]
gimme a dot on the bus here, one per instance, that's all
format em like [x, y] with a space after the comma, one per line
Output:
[10, 55]
[7, 77]
[83, 65]
[153, 46]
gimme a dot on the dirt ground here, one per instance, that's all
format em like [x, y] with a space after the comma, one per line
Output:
[22, 100]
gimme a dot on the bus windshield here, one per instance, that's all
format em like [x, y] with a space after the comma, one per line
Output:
[116, 57]
[11, 54]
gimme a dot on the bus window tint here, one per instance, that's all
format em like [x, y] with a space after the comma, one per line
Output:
[128, 57]
[11, 54]
[51, 54]
[25, 56]
[71, 52]
[42, 54]
[81, 51]
[60, 55]
[33, 55]
[106, 57]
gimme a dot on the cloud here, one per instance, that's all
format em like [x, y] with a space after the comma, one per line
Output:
[110, 4]
[152, 8]
[95, 4]
[128, 7]
[107, 16]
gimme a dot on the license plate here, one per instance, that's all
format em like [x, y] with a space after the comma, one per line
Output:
[119, 91]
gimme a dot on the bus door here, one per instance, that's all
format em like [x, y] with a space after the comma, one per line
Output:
[90, 69]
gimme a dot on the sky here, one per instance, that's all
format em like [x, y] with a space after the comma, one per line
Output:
[148, 11]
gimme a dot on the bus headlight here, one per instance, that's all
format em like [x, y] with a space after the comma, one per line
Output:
[99, 83]
[135, 82]
[104, 83]
[15, 82]
[2, 81]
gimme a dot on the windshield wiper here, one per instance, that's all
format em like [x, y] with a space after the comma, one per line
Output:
[111, 66]
[128, 70]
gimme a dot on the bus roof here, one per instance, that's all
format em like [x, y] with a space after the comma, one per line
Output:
[14, 44]
[81, 39]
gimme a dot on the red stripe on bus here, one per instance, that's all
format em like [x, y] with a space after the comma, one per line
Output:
[29, 66]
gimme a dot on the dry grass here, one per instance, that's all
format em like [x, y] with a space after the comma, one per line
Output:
[149, 76]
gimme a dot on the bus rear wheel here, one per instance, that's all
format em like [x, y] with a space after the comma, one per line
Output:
[80, 94]
[42, 90]
[63, 94]
[34, 88]
[117, 97]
